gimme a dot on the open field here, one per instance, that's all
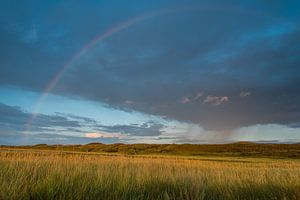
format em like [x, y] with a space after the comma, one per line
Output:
[44, 174]
[240, 149]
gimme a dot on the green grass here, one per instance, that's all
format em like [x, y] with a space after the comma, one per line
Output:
[31, 174]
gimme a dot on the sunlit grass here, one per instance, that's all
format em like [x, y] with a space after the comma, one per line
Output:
[51, 175]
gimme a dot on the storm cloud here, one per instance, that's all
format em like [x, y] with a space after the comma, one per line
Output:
[16, 124]
[242, 57]
[14, 120]
[146, 129]
[161, 63]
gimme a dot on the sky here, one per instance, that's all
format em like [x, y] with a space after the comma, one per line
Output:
[167, 71]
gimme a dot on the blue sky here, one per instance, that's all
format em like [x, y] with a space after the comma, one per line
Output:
[149, 71]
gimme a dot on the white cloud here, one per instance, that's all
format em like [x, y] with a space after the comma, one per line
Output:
[198, 95]
[216, 100]
[103, 135]
[185, 100]
[245, 94]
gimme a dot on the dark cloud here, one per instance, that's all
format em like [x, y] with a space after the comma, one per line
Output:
[63, 128]
[150, 128]
[161, 61]
[13, 120]
[160, 64]
[46, 138]
[87, 120]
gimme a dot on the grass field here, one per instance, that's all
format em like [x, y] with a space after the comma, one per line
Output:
[42, 174]
[240, 149]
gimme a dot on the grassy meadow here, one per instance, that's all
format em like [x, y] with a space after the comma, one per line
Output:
[239, 149]
[44, 174]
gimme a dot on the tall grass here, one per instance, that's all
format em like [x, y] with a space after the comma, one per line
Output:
[46, 175]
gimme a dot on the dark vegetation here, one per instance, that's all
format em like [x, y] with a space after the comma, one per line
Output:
[235, 149]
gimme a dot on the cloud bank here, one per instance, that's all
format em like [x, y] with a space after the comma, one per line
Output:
[223, 67]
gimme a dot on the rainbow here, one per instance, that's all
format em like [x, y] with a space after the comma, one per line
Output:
[83, 51]
[108, 33]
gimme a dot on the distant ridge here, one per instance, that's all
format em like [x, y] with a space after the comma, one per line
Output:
[243, 148]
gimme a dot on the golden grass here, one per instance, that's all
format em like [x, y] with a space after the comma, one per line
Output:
[244, 149]
[55, 175]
